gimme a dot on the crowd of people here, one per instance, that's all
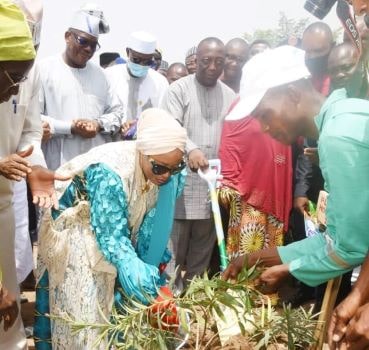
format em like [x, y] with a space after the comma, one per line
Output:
[100, 165]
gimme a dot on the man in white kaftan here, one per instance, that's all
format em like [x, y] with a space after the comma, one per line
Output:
[20, 153]
[138, 86]
[32, 10]
[77, 104]
[19, 128]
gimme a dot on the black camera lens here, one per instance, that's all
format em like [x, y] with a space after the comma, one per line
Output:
[319, 8]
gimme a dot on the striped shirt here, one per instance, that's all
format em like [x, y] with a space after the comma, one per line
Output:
[201, 110]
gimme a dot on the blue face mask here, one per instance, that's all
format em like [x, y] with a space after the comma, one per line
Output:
[137, 70]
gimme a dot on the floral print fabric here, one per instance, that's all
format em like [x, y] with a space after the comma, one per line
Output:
[249, 229]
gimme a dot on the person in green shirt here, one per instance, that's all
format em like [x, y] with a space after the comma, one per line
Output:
[349, 324]
[278, 92]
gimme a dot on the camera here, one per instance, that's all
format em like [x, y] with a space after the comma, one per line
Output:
[319, 8]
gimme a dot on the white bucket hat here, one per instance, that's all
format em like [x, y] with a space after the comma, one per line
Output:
[267, 70]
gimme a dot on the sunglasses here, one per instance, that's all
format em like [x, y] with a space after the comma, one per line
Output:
[14, 82]
[83, 42]
[141, 61]
[159, 169]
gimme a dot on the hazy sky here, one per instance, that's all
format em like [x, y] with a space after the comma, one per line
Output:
[178, 25]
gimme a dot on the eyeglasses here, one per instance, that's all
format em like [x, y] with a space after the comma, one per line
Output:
[83, 42]
[141, 61]
[14, 82]
[159, 169]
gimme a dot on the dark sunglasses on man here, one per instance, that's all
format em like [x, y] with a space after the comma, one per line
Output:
[159, 169]
[142, 61]
[83, 42]
[139, 60]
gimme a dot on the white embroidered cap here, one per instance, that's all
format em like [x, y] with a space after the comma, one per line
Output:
[90, 19]
[94, 10]
[142, 42]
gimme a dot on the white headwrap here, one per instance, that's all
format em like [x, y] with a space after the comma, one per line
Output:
[90, 19]
[159, 133]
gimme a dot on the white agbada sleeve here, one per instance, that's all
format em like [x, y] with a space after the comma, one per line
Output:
[113, 116]
[23, 246]
[113, 112]
[57, 126]
[32, 128]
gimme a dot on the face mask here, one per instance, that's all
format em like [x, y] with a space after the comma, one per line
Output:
[137, 70]
[317, 66]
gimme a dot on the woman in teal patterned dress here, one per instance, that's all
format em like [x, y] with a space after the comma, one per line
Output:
[111, 231]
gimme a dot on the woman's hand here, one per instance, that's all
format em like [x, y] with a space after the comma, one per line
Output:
[163, 312]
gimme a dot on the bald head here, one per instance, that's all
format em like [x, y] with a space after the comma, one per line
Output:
[210, 57]
[176, 71]
[237, 50]
[237, 53]
[317, 41]
[238, 43]
[319, 28]
[342, 51]
[211, 42]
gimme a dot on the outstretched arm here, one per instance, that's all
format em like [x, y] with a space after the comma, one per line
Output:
[109, 220]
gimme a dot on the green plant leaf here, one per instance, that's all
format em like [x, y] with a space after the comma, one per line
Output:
[219, 312]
